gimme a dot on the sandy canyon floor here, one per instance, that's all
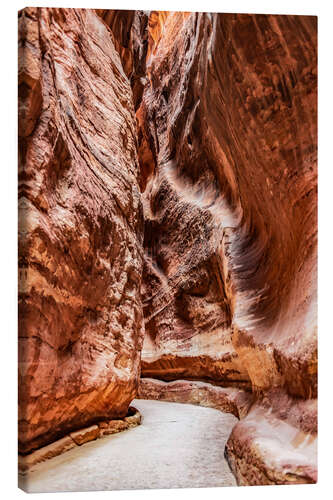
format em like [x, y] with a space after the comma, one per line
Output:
[177, 446]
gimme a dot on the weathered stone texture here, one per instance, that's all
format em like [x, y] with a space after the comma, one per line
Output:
[225, 399]
[80, 227]
[30, 462]
[229, 114]
[229, 117]
[276, 443]
[213, 118]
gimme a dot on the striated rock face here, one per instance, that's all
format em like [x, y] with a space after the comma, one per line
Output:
[229, 114]
[225, 399]
[186, 307]
[130, 35]
[80, 227]
[209, 121]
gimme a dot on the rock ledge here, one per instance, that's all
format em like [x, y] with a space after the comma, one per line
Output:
[27, 463]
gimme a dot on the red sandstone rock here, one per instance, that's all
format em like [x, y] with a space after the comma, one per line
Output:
[27, 463]
[113, 426]
[129, 29]
[80, 227]
[226, 399]
[275, 444]
[226, 131]
[229, 114]
[229, 117]
[85, 435]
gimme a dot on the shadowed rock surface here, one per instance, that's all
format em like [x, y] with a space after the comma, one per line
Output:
[80, 227]
[229, 113]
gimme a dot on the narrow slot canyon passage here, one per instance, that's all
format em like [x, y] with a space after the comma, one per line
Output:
[176, 446]
[167, 249]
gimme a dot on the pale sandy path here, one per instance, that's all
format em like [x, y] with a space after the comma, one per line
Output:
[177, 446]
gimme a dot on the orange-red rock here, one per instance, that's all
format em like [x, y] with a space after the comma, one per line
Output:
[113, 426]
[85, 435]
[225, 399]
[131, 38]
[27, 463]
[80, 227]
[225, 136]
[229, 117]
[276, 443]
[229, 113]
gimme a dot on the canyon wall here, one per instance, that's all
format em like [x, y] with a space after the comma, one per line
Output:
[168, 186]
[80, 227]
[229, 116]
[227, 149]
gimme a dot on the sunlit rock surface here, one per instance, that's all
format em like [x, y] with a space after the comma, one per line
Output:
[80, 227]
[276, 443]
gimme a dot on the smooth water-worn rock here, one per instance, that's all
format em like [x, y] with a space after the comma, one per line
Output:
[225, 399]
[207, 122]
[80, 227]
[276, 443]
[229, 114]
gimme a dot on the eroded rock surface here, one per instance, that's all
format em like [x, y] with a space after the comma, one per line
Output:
[229, 114]
[130, 32]
[276, 443]
[32, 461]
[80, 227]
[225, 399]
[225, 137]
[229, 118]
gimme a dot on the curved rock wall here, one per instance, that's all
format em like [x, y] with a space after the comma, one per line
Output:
[130, 34]
[80, 227]
[276, 442]
[176, 149]
[229, 114]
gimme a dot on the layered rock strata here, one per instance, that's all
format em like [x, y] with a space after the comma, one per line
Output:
[80, 227]
[276, 443]
[228, 115]
[225, 399]
[225, 138]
